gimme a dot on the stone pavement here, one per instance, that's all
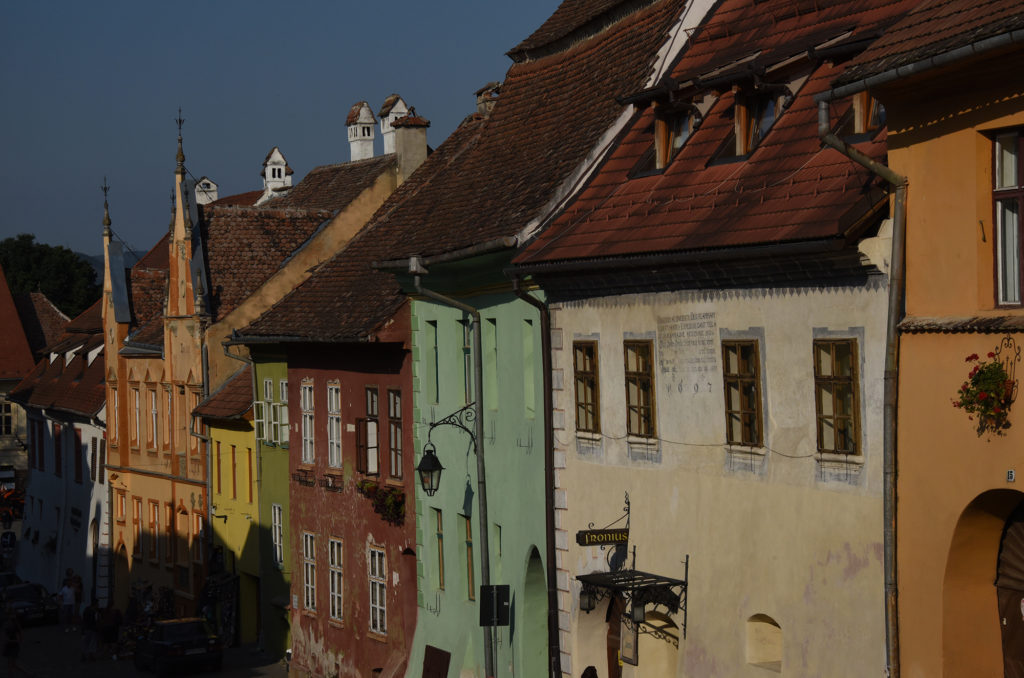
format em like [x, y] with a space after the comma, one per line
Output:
[48, 652]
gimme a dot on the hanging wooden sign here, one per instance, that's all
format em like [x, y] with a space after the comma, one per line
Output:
[602, 537]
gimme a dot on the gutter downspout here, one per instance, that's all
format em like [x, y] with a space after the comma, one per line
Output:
[554, 651]
[417, 269]
[897, 285]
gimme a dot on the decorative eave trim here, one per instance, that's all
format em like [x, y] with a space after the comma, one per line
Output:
[962, 325]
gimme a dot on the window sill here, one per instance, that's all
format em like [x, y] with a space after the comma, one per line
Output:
[336, 623]
[378, 636]
[589, 436]
[831, 458]
[644, 450]
[733, 448]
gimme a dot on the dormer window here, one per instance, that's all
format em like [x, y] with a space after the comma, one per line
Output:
[866, 115]
[753, 117]
[672, 128]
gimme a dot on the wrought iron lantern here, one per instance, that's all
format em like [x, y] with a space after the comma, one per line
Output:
[429, 469]
[588, 599]
[638, 613]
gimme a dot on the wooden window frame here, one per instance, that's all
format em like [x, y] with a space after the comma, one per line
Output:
[750, 415]
[377, 579]
[1012, 196]
[154, 530]
[368, 435]
[833, 382]
[277, 532]
[309, 571]
[169, 533]
[152, 437]
[586, 386]
[336, 578]
[136, 527]
[234, 473]
[136, 421]
[308, 406]
[395, 451]
[334, 459]
[641, 412]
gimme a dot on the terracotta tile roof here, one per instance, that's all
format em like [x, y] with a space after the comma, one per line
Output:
[147, 292]
[789, 189]
[411, 120]
[976, 324]
[346, 299]
[542, 127]
[72, 386]
[246, 245]
[353, 113]
[246, 199]
[231, 400]
[570, 16]
[388, 104]
[42, 321]
[932, 28]
[15, 352]
[333, 187]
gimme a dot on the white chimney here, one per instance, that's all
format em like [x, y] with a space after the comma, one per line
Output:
[360, 123]
[394, 108]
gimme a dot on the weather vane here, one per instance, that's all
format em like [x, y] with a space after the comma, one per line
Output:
[180, 120]
[105, 188]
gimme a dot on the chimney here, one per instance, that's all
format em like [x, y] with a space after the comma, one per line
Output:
[394, 108]
[410, 143]
[206, 191]
[360, 123]
[486, 97]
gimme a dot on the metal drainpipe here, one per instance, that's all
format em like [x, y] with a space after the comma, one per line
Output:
[554, 651]
[490, 661]
[897, 283]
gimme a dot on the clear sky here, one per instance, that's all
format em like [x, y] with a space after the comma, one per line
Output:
[91, 89]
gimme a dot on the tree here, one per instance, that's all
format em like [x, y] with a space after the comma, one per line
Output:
[62, 275]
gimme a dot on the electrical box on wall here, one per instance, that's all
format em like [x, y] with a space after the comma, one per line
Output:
[1011, 476]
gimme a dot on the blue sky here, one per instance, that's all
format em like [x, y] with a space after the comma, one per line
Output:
[92, 90]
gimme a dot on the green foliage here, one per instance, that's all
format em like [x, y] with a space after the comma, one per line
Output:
[987, 394]
[62, 275]
[388, 502]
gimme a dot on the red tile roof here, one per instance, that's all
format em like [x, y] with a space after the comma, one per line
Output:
[15, 353]
[548, 117]
[246, 245]
[789, 189]
[73, 386]
[353, 113]
[232, 400]
[571, 15]
[388, 104]
[346, 299]
[333, 187]
[932, 28]
[42, 321]
[246, 199]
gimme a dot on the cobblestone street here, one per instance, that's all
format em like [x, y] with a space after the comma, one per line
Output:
[48, 652]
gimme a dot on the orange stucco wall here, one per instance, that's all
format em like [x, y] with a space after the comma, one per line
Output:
[953, 493]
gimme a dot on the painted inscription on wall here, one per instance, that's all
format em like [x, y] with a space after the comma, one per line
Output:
[688, 351]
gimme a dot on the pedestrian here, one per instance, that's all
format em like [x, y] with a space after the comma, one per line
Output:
[589, 672]
[67, 606]
[12, 640]
[90, 623]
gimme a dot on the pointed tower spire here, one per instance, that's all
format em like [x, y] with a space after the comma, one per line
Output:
[106, 209]
[181, 154]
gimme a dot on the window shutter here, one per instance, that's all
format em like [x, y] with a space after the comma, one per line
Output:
[282, 430]
[261, 419]
[273, 422]
[361, 436]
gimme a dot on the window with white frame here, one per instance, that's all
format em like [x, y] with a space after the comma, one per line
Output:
[1008, 202]
[309, 570]
[334, 553]
[306, 397]
[283, 389]
[395, 433]
[151, 434]
[368, 456]
[277, 532]
[282, 422]
[378, 569]
[334, 425]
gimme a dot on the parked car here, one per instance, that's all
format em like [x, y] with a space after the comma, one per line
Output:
[172, 645]
[31, 603]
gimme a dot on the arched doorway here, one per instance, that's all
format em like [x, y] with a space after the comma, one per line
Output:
[972, 635]
[533, 629]
[1010, 593]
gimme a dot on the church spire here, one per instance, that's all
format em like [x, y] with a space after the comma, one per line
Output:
[106, 209]
[181, 154]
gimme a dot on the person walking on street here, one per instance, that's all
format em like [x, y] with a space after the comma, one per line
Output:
[67, 606]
